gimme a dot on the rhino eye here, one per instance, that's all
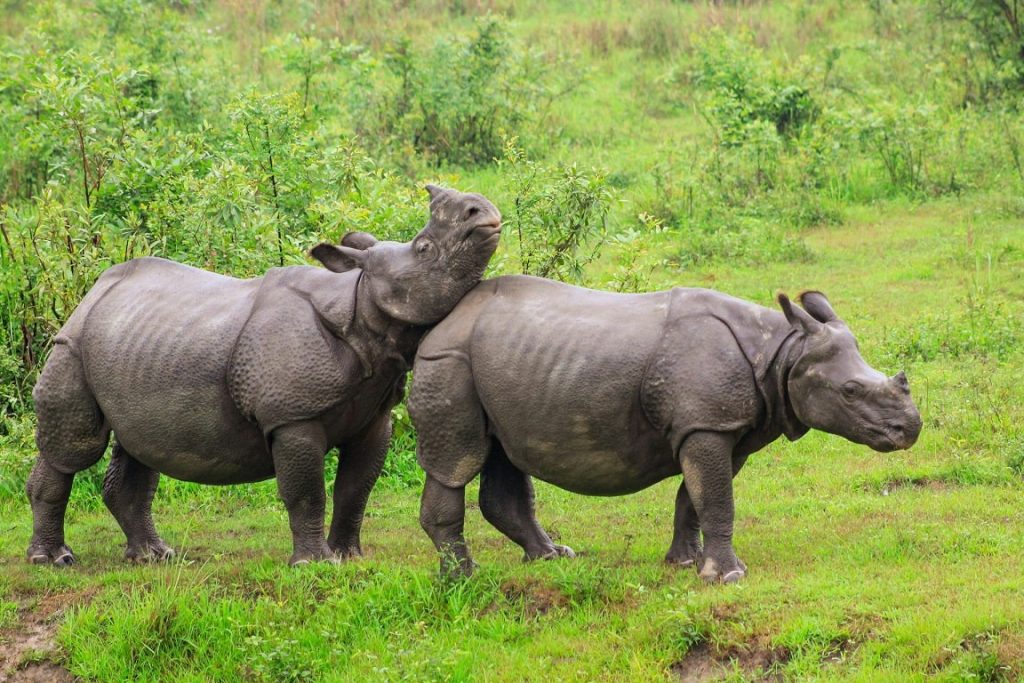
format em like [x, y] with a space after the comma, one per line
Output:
[852, 388]
[423, 247]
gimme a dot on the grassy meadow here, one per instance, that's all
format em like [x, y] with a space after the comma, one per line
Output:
[872, 150]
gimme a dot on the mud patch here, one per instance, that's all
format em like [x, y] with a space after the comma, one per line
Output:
[995, 656]
[28, 651]
[1010, 654]
[755, 660]
[534, 597]
[891, 486]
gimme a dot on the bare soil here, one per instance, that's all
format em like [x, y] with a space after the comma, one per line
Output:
[29, 652]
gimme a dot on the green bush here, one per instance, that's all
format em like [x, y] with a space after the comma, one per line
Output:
[456, 102]
[745, 95]
[558, 215]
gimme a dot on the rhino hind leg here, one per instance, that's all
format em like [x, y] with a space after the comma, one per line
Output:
[359, 466]
[128, 490]
[298, 450]
[507, 502]
[686, 548]
[71, 435]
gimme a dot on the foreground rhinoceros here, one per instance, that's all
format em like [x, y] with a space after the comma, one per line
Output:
[217, 380]
[606, 394]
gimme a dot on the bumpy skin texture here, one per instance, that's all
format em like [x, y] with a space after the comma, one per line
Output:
[217, 380]
[606, 394]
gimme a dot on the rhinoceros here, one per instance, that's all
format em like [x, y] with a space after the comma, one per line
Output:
[605, 394]
[218, 380]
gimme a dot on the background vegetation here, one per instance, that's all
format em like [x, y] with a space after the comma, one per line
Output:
[870, 149]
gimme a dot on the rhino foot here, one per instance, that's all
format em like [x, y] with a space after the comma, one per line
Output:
[689, 556]
[152, 551]
[456, 570]
[350, 552]
[323, 554]
[729, 570]
[552, 553]
[60, 556]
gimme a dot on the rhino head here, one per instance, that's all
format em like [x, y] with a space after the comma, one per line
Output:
[831, 388]
[419, 282]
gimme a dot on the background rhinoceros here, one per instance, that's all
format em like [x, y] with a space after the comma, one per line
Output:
[217, 380]
[606, 394]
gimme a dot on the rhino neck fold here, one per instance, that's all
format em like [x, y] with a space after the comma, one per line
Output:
[774, 387]
[375, 336]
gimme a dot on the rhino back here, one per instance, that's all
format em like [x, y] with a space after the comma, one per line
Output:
[155, 348]
[558, 370]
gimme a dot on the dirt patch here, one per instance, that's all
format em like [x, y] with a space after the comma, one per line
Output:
[1001, 655]
[29, 652]
[838, 651]
[756, 660]
[929, 483]
[535, 597]
[1010, 653]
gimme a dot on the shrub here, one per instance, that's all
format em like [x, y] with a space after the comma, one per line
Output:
[997, 28]
[558, 215]
[455, 103]
[901, 136]
[744, 92]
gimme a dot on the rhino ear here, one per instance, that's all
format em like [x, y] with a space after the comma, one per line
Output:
[798, 317]
[818, 306]
[434, 191]
[358, 240]
[338, 259]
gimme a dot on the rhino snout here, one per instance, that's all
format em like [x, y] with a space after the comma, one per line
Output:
[904, 434]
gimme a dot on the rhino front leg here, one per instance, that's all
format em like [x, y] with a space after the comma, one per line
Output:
[506, 501]
[442, 516]
[686, 548]
[128, 490]
[298, 451]
[706, 459]
[358, 469]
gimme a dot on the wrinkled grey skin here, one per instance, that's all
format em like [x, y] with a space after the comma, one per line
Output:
[217, 380]
[606, 394]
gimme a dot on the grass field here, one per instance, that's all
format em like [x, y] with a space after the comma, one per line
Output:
[862, 566]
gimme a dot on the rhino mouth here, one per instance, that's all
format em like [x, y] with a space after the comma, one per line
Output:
[891, 438]
[486, 231]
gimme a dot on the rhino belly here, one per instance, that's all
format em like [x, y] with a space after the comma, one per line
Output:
[194, 434]
[588, 458]
[156, 350]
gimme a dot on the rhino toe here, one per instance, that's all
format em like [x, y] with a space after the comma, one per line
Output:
[59, 557]
[151, 552]
[688, 556]
[350, 552]
[720, 572]
[552, 553]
